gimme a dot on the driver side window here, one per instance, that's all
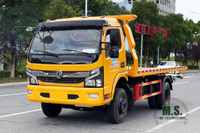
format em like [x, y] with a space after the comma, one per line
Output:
[108, 45]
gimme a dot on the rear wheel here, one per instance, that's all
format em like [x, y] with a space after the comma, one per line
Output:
[164, 98]
[51, 110]
[118, 107]
[152, 102]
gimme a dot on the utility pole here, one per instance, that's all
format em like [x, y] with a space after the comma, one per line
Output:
[158, 56]
[141, 49]
[85, 8]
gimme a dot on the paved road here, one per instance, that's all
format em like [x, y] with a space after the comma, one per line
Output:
[18, 115]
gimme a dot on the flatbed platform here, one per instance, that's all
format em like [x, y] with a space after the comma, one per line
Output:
[145, 71]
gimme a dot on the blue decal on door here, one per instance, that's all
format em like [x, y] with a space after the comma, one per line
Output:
[114, 63]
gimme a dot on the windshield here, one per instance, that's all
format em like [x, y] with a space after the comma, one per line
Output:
[167, 64]
[69, 41]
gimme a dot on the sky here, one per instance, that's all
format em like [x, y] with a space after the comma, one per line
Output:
[186, 7]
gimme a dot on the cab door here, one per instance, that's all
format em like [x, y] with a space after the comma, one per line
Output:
[113, 66]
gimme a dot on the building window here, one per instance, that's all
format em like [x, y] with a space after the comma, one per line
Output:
[129, 1]
[168, 3]
[157, 1]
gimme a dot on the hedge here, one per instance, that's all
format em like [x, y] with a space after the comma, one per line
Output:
[193, 67]
[21, 74]
[6, 73]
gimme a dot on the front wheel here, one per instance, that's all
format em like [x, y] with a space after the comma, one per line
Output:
[51, 110]
[118, 107]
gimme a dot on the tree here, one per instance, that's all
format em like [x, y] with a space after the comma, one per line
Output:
[192, 38]
[19, 13]
[147, 13]
[176, 37]
[59, 9]
[98, 7]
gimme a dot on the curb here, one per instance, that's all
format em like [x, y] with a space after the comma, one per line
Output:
[13, 84]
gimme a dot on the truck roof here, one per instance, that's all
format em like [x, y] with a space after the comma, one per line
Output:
[111, 20]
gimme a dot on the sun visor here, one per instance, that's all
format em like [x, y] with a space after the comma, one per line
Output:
[95, 23]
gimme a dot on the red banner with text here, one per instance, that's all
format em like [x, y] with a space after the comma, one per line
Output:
[149, 30]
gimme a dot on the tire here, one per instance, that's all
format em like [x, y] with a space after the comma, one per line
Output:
[118, 107]
[51, 110]
[164, 98]
[152, 102]
[130, 106]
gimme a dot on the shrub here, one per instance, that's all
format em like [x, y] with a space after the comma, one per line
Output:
[193, 67]
[21, 74]
[4, 73]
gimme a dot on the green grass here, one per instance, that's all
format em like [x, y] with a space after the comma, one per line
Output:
[171, 59]
[12, 80]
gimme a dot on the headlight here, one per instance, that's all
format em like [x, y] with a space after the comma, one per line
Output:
[31, 78]
[95, 79]
[90, 82]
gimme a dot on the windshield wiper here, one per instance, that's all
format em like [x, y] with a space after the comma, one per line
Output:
[76, 51]
[47, 53]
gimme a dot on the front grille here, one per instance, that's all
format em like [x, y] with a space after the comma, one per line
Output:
[62, 80]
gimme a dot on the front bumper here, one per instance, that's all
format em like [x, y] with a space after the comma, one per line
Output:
[60, 95]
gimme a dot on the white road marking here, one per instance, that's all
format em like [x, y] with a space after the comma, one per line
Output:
[14, 94]
[181, 83]
[168, 122]
[20, 113]
[188, 76]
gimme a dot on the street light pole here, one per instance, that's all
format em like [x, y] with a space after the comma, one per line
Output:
[195, 12]
[158, 56]
[86, 8]
[141, 49]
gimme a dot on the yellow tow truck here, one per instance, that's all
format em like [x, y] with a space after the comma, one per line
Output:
[80, 63]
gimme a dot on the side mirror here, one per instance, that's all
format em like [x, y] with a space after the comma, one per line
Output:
[114, 53]
[47, 40]
[115, 37]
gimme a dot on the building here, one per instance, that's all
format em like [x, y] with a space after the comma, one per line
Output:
[165, 6]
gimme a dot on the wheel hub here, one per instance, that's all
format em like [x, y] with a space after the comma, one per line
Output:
[123, 106]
